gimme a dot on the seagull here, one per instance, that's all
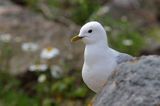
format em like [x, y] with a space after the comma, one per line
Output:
[100, 60]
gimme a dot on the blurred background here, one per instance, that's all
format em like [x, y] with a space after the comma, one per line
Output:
[39, 66]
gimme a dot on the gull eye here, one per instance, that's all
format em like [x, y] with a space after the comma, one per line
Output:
[90, 31]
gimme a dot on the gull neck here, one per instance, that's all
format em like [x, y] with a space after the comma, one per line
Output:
[100, 44]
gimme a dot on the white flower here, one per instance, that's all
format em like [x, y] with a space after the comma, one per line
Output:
[42, 78]
[5, 37]
[127, 42]
[56, 71]
[49, 53]
[108, 28]
[38, 67]
[29, 47]
[104, 10]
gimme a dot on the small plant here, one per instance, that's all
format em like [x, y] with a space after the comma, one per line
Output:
[6, 51]
[84, 9]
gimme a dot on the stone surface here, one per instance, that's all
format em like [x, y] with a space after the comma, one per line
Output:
[133, 84]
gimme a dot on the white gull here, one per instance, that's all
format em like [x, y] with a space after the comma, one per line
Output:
[99, 59]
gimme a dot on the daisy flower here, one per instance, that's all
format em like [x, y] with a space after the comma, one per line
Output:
[29, 47]
[56, 71]
[127, 42]
[49, 53]
[5, 37]
[42, 78]
[38, 67]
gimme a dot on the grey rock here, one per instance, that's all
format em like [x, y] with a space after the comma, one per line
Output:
[134, 83]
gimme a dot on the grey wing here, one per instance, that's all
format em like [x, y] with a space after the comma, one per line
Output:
[122, 57]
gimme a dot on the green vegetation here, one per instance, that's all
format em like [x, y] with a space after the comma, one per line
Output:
[78, 11]
[16, 92]
[6, 54]
[84, 9]
[11, 94]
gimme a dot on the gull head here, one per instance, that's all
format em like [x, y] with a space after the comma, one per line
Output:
[91, 33]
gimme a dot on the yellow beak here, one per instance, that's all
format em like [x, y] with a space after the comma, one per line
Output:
[76, 38]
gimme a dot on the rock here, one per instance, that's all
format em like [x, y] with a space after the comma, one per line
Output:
[133, 84]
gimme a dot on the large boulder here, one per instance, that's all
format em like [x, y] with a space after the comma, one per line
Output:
[133, 84]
